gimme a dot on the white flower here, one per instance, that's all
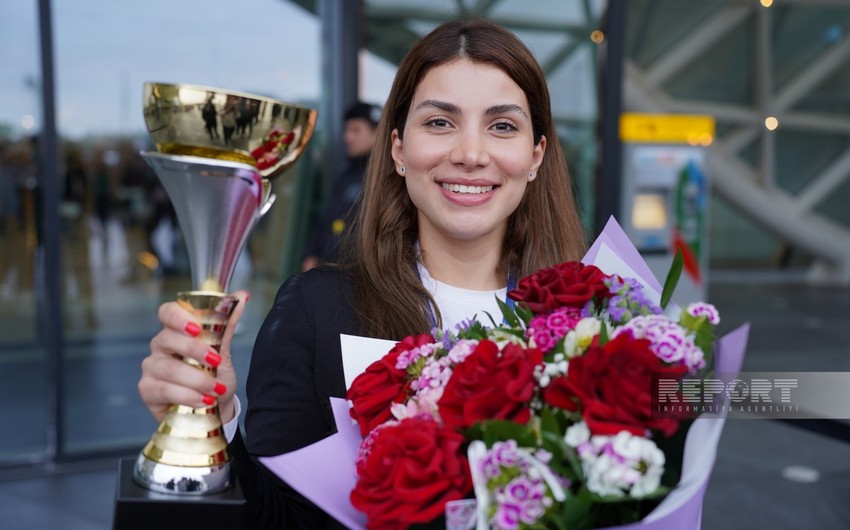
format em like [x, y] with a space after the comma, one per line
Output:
[460, 351]
[425, 402]
[578, 340]
[551, 370]
[619, 465]
[570, 344]
[401, 411]
[502, 339]
[577, 434]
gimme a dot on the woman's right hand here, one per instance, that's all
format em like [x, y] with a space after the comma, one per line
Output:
[167, 379]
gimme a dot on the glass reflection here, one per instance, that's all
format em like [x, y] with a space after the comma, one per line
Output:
[22, 358]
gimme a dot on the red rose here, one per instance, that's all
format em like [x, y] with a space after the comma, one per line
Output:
[413, 469]
[612, 387]
[381, 385]
[567, 284]
[490, 385]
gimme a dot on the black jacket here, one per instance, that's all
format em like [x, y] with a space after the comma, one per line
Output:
[296, 366]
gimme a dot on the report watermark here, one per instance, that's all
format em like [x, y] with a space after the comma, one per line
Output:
[786, 395]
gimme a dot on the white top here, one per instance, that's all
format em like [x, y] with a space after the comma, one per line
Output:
[456, 305]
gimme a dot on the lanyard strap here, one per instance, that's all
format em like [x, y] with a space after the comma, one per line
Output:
[511, 286]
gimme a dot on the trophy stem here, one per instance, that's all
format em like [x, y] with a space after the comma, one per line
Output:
[188, 452]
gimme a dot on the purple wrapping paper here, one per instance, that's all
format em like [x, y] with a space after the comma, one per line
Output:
[324, 471]
[615, 238]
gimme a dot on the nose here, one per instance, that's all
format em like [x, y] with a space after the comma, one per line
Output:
[470, 150]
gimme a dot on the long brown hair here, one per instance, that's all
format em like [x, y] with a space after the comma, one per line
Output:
[379, 249]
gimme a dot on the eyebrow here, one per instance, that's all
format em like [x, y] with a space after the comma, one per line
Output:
[451, 108]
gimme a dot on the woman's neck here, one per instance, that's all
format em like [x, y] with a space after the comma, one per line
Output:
[474, 265]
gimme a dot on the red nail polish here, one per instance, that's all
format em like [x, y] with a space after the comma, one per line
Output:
[192, 329]
[247, 296]
[209, 400]
[213, 359]
[220, 389]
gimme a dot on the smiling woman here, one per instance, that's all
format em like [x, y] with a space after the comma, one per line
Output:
[468, 161]
[466, 190]
[469, 106]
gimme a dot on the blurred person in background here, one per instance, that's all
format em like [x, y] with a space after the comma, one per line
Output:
[210, 117]
[102, 192]
[11, 179]
[359, 132]
[75, 211]
[18, 231]
[229, 118]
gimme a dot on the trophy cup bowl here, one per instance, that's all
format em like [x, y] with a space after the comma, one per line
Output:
[217, 153]
[192, 120]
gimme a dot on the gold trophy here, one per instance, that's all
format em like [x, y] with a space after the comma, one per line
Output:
[217, 152]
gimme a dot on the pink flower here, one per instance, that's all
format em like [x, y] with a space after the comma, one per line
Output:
[669, 341]
[702, 309]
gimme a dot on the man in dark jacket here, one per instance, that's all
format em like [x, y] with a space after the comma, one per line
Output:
[361, 122]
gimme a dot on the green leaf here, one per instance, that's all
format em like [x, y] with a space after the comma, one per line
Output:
[510, 316]
[560, 463]
[672, 279]
[524, 313]
[704, 340]
[551, 421]
[493, 431]
[552, 522]
[575, 463]
[577, 510]
[603, 334]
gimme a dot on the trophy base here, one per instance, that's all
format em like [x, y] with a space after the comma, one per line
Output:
[181, 480]
[139, 508]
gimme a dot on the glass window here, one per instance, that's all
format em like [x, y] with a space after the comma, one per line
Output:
[23, 390]
[122, 253]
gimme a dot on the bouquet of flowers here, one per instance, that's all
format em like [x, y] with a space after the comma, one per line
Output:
[545, 417]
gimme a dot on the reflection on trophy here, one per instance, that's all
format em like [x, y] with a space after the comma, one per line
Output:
[217, 152]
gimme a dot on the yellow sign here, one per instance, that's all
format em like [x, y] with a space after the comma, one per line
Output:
[667, 128]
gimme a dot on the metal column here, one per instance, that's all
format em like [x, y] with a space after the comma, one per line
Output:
[341, 43]
[49, 262]
[608, 182]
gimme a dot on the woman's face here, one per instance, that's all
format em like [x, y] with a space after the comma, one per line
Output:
[467, 152]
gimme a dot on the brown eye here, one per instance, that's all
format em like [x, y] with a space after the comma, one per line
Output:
[439, 123]
[505, 126]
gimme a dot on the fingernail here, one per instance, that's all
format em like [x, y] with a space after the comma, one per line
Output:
[220, 389]
[209, 400]
[247, 296]
[192, 329]
[213, 359]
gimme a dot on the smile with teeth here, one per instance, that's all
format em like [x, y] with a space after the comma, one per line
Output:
[462, 188]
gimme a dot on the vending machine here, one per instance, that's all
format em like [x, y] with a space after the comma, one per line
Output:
[665, 194]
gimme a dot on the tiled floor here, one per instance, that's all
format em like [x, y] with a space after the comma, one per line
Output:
[768, 474]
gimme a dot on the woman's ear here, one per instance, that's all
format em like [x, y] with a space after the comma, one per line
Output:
[537, 155]
[397, 152]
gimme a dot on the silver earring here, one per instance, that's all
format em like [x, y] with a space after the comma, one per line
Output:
[530, 176]
[402, 169]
